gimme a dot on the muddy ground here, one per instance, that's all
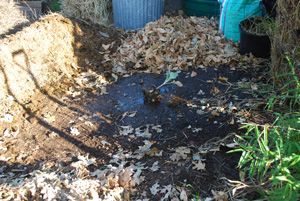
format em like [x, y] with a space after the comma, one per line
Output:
[193, 124]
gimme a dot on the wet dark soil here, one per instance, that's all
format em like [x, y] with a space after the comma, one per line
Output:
[189, 116]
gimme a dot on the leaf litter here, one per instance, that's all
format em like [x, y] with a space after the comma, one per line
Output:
[178, 43]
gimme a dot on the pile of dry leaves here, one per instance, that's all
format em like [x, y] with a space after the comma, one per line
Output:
[177, 43]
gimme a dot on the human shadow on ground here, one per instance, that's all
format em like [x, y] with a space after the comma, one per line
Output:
[39, 120]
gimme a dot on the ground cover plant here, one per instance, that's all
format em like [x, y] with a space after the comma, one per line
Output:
[88, 135]
[271, 152]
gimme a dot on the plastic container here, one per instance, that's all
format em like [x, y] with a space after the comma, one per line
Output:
[235, 11]
[258, 45]
[208, 8]
[135, 14]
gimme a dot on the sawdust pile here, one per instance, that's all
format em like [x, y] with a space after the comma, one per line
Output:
[10, 16]
[96, 11]
[286, 41]
[37, 59]
[178, 43]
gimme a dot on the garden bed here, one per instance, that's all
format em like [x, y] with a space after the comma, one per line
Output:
[75, 124]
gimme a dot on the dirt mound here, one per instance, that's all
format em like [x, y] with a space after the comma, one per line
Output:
[39, 56]
[47, 55]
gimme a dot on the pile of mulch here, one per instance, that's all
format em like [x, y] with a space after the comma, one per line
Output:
[177, 43]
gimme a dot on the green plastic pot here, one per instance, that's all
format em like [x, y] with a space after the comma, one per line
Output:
[208, 8]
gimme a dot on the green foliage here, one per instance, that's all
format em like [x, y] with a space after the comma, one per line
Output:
[196, 196]
[271, 154]
[171, 76]
[290, 91]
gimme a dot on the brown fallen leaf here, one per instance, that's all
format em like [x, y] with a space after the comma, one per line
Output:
[231, 122]
[193, 74]
[178, 83]
[214, 90]
[223, 78]
[199, 165]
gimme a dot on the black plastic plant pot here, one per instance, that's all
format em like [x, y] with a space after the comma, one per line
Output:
[258, 44]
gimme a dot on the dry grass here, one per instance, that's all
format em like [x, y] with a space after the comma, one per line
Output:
[286, 41]
[96, 11]
[10, 16]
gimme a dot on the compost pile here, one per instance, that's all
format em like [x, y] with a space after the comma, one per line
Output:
[178, 43]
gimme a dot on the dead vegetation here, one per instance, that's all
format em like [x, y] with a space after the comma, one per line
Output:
[178, 43]
[95, 11]
[10, 16]
[286, 41]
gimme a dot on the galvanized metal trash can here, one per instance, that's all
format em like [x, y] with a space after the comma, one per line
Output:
[135, 14]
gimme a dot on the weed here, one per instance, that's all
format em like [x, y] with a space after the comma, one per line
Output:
[196, 196]
[290, 91]
[171, 76]
[271, 155]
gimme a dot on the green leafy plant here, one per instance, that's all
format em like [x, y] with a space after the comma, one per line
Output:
[271, 157]
[290, 91]
[171, 76]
